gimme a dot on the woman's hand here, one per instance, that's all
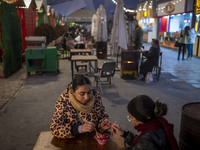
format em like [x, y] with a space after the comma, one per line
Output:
[88, 127]
[117, 129]
[106, 124]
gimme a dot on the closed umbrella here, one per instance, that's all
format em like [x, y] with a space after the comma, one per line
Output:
[101, 24]
[94, 26]
[119, 35]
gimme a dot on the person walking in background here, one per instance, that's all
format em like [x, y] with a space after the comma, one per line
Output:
[184, 39]
[138, 37]
[155, 131]
[192, 41]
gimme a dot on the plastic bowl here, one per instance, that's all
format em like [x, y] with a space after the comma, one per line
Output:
[101, 139]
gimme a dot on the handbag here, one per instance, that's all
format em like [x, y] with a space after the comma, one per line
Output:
[149, 77]
[177, 44]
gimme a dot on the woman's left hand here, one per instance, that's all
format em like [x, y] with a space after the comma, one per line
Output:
[106, 124]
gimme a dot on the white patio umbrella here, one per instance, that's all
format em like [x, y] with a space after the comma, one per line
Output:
[119, 35]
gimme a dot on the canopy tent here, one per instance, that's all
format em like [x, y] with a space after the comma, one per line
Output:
[82, 15]
[69, 7]
[62, 6]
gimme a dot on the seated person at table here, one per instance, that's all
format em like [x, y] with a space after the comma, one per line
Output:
[152, 57]
[155, 131]
[70, 43]
[78, 110]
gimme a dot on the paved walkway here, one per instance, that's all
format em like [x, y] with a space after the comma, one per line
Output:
[27, 104]
[183, 70]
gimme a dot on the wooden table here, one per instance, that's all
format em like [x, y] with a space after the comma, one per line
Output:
[86, 141]
[80, 51]
[80, 44]
[88, 58]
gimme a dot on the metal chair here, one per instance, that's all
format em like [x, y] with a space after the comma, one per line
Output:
[157, 69]
[107, 71]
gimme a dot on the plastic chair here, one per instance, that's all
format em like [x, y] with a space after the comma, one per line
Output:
[107, 71]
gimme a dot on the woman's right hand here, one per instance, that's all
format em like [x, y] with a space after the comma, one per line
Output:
[88, 127]
[117, 129]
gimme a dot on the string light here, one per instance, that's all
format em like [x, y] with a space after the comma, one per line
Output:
[125, 9]
[145, 6]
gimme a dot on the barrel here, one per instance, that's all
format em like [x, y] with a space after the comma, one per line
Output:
[189, 138]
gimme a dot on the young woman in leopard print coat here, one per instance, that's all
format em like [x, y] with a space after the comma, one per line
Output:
[78, 110]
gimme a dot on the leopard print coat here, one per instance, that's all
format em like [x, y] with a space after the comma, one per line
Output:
[65, 116]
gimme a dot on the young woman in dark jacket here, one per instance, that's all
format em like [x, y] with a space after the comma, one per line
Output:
[155, 132]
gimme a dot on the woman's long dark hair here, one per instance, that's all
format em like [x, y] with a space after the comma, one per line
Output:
[79, 80]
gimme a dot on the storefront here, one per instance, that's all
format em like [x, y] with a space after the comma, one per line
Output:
[174, 17]
[196, 49]
[145, 14]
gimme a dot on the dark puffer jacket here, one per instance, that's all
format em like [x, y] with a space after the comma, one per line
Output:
[154, 140]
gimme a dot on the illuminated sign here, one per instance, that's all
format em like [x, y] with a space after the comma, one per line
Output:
[145, 13]
[197, 6]
[169, 8]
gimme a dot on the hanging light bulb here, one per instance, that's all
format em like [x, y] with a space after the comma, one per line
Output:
[10, 1]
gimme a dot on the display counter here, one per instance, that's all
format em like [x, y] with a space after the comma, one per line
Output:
[169, 39]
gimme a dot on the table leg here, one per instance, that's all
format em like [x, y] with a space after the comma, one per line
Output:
[72, 68]
[90, 65]
[96, 66]
[139, 62]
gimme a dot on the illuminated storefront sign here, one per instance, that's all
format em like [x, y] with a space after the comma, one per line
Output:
[169, 8]
[197, 6]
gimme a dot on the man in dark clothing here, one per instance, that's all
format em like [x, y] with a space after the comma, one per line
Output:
[138, 38]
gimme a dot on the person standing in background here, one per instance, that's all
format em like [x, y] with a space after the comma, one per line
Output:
[138, 38]
[183, 41]
[192, 41]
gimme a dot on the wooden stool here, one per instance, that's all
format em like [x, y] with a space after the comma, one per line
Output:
[82, 65]
[79, 73]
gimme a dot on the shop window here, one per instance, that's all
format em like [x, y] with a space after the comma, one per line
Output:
[163, 25]
[197, 24]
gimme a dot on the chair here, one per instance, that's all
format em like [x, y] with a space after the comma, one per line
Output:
[157, 69]
[107, 71]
